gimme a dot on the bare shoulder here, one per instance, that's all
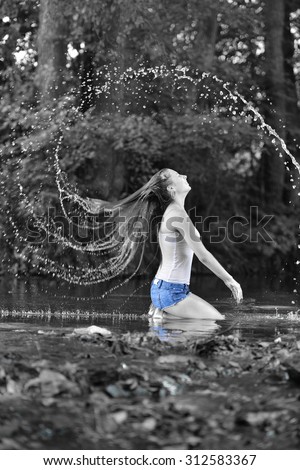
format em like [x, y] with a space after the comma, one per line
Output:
[178, 219]
[173, 213]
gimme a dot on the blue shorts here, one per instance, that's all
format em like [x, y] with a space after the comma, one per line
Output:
[166, 294]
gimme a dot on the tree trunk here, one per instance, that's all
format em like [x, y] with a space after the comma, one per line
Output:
[292, 108]
[112, 100]
[87, 85]
[205, 49]
[206, 38]
[52, 50]
[273, 166]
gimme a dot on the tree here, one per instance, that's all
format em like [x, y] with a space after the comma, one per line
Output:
[52, 49]
[273, 167]
[292, 99]
[118, 138]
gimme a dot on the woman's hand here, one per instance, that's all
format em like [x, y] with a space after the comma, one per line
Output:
[235, 289]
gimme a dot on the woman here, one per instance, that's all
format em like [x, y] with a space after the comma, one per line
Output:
[179, 240]
[125, 226]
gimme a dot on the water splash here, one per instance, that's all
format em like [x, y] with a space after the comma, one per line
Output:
[111, 258]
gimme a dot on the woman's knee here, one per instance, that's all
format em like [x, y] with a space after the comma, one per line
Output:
[196, 308]
[206, 309]
[217, 315]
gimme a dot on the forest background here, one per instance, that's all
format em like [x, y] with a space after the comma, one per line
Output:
[55, 56]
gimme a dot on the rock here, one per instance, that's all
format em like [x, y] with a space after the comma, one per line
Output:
[234, 364]
[149, 424]
[13, 387]
[283, 355]
[41, 364]
[92, 330]
[119, 416]
[69, 368]
[2, 376]
[52, 383]
[193, 441]
[116, 391]
[254, 418]
[210, 374]
[9, 444]
[47, 333]
[264, 344]
[277, 377]
[201, 365]
[187, 406]
[141, 391]
[170, 385]
[130, 384]
[174, 359]
[292, 364]
[48, 401]
[99, 399]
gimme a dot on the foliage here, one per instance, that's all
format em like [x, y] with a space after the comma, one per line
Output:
[146, 124]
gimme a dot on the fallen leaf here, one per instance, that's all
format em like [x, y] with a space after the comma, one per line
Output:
[116, 391]
[149, 424]
[120, 416]
[13, 387]
[52, 383]
[9, 444]
[2, 376]
[264, 344]
[174, 359]
[234, 364]
[260, 417]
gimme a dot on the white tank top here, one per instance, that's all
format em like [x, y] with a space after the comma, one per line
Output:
[177, 258]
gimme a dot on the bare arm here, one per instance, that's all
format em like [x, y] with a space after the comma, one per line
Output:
[212, 263]
[180, 220]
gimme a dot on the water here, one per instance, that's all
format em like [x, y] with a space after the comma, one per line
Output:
[267, 312]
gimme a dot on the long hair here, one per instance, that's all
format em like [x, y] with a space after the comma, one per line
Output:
[123, 227]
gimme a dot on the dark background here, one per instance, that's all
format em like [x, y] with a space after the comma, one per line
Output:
[55, 59]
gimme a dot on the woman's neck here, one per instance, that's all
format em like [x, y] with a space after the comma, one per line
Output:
[180, 199]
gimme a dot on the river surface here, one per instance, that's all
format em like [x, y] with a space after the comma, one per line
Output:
[269, 309]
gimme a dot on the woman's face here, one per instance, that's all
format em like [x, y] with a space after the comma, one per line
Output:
[178, 182]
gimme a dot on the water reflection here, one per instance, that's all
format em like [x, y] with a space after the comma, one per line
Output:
[48, 304]
[177, 329]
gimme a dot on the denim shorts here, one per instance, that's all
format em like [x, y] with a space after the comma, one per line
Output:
[166, 294]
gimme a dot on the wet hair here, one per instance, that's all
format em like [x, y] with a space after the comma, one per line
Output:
[124, 227]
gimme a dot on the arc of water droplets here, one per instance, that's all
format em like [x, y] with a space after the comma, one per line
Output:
[107, 245]
[106, 271]
[114, 265]
[263, 122]
[162, 71]
[271, 131]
